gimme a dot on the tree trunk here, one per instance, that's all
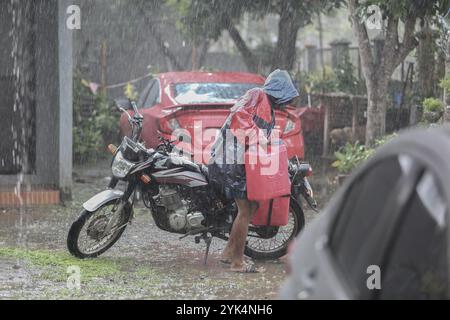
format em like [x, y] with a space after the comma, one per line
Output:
[284, 55]
[203, 53]
[426, 58]
[378, 69]
[194, 58]
[247, 55]
[198, 54]
[377, 92]
[446, 92]
[171, 58]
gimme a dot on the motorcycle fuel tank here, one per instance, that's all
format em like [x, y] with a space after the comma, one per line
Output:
[180, 176]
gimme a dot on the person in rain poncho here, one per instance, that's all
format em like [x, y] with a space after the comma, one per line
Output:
[252, 119]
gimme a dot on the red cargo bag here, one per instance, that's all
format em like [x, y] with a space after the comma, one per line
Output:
[273, 213]
[266, 172]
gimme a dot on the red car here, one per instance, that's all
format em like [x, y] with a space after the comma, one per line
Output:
[196, 104]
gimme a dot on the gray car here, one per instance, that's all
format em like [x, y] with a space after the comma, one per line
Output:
[385, 233]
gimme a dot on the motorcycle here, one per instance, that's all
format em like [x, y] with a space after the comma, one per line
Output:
[180, 198]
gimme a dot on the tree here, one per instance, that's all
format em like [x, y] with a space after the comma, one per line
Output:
[447, 88]
[195, 34]
[378, 68]
[295, 15]
[207, 19]
[445, 47]
[426, 61]
[149, 9]
[213, 17]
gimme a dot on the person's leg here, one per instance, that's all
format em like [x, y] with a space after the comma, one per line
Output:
[234, 251]
[227, 253]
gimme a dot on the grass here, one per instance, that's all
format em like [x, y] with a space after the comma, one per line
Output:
[55, 263]
[100, 277]
[122, 278]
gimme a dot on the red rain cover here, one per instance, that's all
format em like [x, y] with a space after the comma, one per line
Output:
[267, 172]
[278, 217]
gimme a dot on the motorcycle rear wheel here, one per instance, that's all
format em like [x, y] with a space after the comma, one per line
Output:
[263, 248]
[76, 230]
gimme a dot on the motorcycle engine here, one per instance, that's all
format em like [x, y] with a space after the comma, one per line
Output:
[179, 217]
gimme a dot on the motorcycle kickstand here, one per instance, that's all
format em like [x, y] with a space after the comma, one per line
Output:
[208, 241]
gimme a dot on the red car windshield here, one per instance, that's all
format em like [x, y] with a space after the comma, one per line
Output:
[188, 93]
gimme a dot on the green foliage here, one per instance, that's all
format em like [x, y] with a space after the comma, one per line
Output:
[341, 79]
[384, 140]
[432, 11]
[209, 18]
[352, 155]
[346, 80]
[445, 83]
[58, 262]
[318, 81]
[91, 131]
[433, 105]
[405, 8]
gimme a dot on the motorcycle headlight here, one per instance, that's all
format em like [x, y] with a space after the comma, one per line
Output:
[121, 166]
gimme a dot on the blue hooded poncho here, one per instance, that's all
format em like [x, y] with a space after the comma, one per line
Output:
[280, 86]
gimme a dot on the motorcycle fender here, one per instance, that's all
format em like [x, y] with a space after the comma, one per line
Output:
[100, 199]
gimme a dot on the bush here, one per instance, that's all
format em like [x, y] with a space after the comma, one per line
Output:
[340, 79]
[352, 155]
[345, 78]
[318, 82]
[433, 105]
[93, 127]
[445, 83]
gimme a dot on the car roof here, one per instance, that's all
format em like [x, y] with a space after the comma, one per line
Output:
[210, 77]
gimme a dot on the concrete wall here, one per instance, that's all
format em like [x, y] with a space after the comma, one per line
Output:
[65, 58]
[53, 100]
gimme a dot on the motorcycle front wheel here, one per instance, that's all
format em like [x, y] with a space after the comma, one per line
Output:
[271, 243]
[86, 238]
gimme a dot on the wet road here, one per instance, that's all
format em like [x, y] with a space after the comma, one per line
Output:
[146, 263]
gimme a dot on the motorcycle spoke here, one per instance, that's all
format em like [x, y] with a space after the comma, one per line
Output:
[86, 242]
[279, 240]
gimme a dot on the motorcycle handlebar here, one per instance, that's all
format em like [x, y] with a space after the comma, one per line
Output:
[137, 115]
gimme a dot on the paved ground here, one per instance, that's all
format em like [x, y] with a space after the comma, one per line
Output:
[146, 263]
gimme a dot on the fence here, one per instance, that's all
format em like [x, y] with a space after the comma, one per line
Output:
[310, 59]
[338, 118]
